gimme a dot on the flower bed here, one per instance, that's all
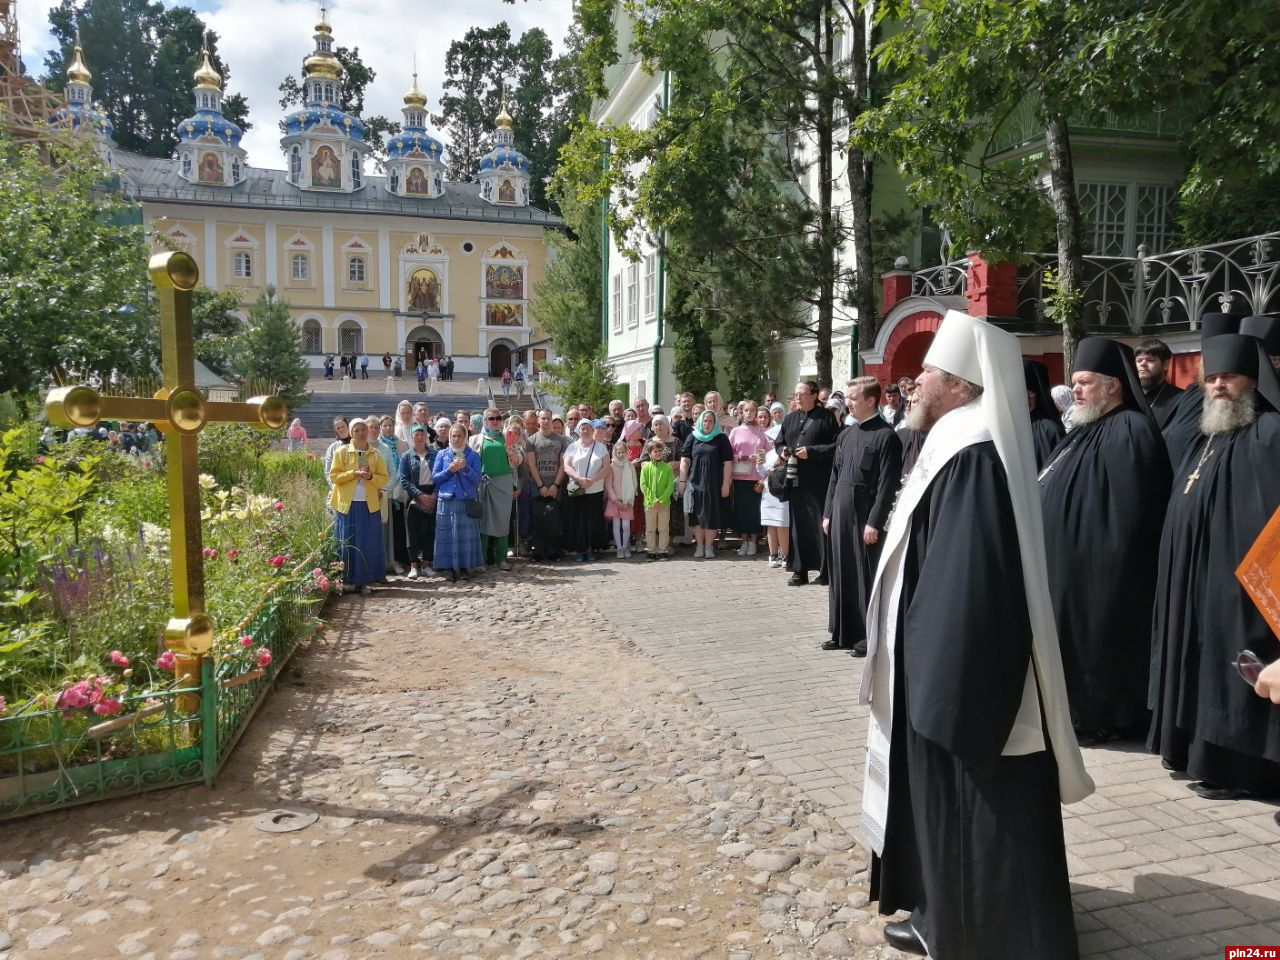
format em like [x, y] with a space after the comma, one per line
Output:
[88, 703]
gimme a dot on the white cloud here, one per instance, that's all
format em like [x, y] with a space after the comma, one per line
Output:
[262, 41]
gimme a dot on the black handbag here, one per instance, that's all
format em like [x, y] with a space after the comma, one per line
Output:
[475, 509]
[777, 483]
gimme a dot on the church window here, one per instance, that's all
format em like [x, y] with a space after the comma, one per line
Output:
[301, 267]
[633, 294]
[357, 171]
[486, 191]
[649, 287]
[312, 337]
[295, 165]
[395, 181]
[617, 302]
[351, 337]
[439, 185]
[356, 270]
[186, 165]
[235, 170]
[242, 265]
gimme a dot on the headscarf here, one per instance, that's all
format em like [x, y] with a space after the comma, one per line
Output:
[477, 422]
[660, 418]
[443, 424]
[459, 448]
[715, 426]
[630, 429]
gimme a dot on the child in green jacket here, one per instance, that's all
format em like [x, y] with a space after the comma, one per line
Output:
[657, 484]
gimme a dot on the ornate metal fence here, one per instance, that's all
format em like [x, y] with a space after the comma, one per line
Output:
[51, 759]
[1125, 296]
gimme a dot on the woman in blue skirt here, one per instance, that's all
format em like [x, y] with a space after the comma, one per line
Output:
[456, 475]
[358, 475]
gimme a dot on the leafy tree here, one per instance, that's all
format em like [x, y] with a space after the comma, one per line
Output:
[543, 91]
[566, 303]
[217, 328]
[268, 356]
[587, 379]
[142, 56]
[356, 77]
[74, 293]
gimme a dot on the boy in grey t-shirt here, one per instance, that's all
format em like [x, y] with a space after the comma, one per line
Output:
[546, 456]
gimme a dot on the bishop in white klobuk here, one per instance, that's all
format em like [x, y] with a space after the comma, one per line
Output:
[970, 749]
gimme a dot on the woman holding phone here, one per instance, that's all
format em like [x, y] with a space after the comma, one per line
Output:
[358, 476]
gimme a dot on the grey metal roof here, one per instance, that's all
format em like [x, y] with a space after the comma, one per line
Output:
[158, 181]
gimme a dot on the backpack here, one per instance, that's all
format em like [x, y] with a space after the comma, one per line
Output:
[547, 528]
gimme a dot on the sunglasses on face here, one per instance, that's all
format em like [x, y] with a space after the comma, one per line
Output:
[493, 418]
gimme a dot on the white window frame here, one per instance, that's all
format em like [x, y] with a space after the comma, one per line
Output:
[616, 289]
[357, 171]
[633, 295]
[650, 283]
[355, 261]
[242, 265]
[295, 165]
[300, 267]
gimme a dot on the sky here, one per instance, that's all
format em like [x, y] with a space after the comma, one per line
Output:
[262, 40]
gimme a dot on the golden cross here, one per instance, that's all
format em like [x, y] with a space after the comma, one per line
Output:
[180, 412]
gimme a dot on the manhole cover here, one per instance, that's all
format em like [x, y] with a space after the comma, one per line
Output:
[286, 820]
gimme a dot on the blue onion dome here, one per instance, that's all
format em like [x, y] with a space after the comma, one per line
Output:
[414, 141]
[209, 125]
[504, 151]
[79, 116]
[306, 119]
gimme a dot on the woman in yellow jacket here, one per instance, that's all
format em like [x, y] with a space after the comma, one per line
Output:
[358, 475]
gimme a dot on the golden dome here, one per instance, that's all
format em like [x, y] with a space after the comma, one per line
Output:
[504, 118]
[206, 76]
[78, 72]
[322, 25]
[413, 96]
[323, 64]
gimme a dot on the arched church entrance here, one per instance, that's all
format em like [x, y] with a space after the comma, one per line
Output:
[500, 357]
[909, 356]
[422, 343]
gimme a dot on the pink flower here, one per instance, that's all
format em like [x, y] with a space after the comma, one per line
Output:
[209, 553]
[3, 705]
[233, 556]
[39, 459]
[317, 572]
[166, 660]
[278, 560]
[277, 506]
[75, 697]
[107, 706]
[264, 656]
[146, 464]
[246, 641]
[322, 584]
[119, 659]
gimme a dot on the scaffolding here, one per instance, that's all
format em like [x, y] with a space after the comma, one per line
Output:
[25, 106]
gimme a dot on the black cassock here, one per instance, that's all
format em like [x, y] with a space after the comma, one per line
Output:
[1103, 494]
[1206, 720]
[1046, 433]
[1181, 427]
[912, 444]
[1164, 403]
[817, 430]
[973, 842]
[865, 475]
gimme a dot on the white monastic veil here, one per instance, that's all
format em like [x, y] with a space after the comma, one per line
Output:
[985, 355]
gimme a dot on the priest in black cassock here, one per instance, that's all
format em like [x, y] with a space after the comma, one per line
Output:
[1047, 430]
[1182, 428]
[1266, 329]
[970, 749]
[1206, 720]
[809, 433]
[865, 476]
[1153, 358]
[1103, 494]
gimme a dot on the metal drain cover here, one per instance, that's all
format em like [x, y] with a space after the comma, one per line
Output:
[286, 820]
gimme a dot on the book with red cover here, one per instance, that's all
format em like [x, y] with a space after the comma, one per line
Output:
[1259, 573]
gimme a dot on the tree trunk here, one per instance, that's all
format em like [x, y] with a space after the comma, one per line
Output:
[1069, 224]
[825, 130]
[862, 296]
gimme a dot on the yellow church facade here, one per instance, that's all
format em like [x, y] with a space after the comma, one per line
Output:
[401, 262]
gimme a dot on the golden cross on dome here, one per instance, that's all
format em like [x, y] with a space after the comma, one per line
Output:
[180, 412]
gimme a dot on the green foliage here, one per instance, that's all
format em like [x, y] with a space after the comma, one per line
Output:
[693, 364]
[11, 411]
[583, 379]
[566, 303]
[73, 279]
[543, 93]
[356, 77]
[142, 56]
[267, 353]
[217, 328]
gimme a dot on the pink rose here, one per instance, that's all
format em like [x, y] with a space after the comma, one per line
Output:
[74, 697]
[317, 572]
[119, 659]
[277, 506]
[278, 560]
[322, 584]
[264, 656]
[107, 706]
[166, 660]
[246, 641]
[39, 459]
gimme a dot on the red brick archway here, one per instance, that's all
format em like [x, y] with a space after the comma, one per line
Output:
[906, 347]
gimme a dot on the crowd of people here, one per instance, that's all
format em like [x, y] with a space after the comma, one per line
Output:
[356, 366]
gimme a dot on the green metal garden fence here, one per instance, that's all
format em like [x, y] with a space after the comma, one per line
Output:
[52, 759]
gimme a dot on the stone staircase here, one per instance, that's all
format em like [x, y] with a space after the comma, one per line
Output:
[379, 395]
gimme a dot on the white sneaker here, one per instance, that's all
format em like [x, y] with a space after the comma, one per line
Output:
[626, 553]
[697, 552]
[413, 573]
[752, 549]
[742, 550]
[620, 553]
[399, 570]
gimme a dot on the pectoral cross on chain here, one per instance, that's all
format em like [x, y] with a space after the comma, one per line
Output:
[180, 412]
[1194, 476]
